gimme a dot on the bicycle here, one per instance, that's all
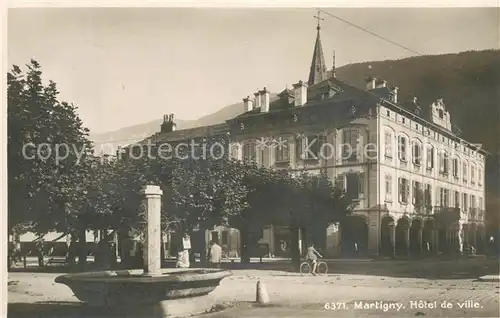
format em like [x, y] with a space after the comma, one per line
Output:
[306, 267]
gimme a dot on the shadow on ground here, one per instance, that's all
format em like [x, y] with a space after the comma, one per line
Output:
[425, 269]
[418, 268]
[53, 310]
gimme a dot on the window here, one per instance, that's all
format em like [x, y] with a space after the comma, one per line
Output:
[472, 201]
[262, 156]
[444, 197]
[465, 171]
[215, 236]
[350, 144]
[455, 167]
[388, 188]
[479, 176]
[464, 201]
[234, 150]
[457, 199]
[402, 141]
[441, 114]
[388, 143]
[224, 238]
[404, 190]
[428, 195]
[354, 183]
[417, 194]
[417, 153]
[473, 174]
[340, 182]
[443, 159]
[430, 157]
[403, 120]
[282, 150]
[249, 151]
[388, 113]
[309, 147]
[480, 203]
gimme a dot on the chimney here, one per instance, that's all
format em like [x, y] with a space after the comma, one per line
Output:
[370, 83]
[264, 99]
[168, 124]
[257, 100]
[395, 94]
[174, 126]
[300, 94]
[248, 104]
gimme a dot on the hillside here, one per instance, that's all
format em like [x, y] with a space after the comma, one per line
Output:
[129, 135]
[468, 82]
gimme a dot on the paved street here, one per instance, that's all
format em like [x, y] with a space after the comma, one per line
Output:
[293, 295]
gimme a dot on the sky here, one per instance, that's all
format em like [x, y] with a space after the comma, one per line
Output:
[127, 66]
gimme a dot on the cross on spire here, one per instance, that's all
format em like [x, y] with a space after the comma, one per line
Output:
[318, 17]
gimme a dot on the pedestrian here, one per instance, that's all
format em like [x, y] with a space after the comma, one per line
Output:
[214, 255]
[183, 254]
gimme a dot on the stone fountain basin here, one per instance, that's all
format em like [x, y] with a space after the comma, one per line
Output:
[123, 288]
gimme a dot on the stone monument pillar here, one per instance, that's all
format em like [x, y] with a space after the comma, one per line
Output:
[152, 243]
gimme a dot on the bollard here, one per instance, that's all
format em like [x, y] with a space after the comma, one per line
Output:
[262, 297]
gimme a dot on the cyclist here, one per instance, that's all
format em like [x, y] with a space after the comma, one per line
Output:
[312, 257]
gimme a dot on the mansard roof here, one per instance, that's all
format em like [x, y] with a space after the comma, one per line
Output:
[330, 89]
[188, 134]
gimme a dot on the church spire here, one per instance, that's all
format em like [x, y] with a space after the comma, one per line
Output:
[318, 71]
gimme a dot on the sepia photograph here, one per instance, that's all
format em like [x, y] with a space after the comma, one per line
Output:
[252, 161]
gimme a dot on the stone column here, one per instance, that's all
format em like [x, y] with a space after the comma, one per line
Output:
[419, 240]
[474, 238]
[435, 241]
[466, 237]
[152, 244]
[392, 238]
[406, 231]
[460, 238]
[373, 239]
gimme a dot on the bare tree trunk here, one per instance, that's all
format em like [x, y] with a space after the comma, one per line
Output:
[82, 248]
[245, 244]
[73, 245]
[294, 249]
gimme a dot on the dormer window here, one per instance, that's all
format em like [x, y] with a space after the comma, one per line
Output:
[441, 113]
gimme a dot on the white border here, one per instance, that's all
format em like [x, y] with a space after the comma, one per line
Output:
[254, 3]
[161, 3]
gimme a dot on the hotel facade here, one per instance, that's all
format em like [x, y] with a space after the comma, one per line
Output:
[418, 187]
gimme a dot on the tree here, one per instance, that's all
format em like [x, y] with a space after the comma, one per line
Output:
[46, 144]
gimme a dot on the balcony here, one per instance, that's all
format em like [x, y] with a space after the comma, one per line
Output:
[422, 209]
[447, 215]
[476, 214]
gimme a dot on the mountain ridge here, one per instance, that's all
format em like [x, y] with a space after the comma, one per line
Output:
[468, 82]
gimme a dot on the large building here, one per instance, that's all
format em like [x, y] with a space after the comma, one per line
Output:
[419, 187]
